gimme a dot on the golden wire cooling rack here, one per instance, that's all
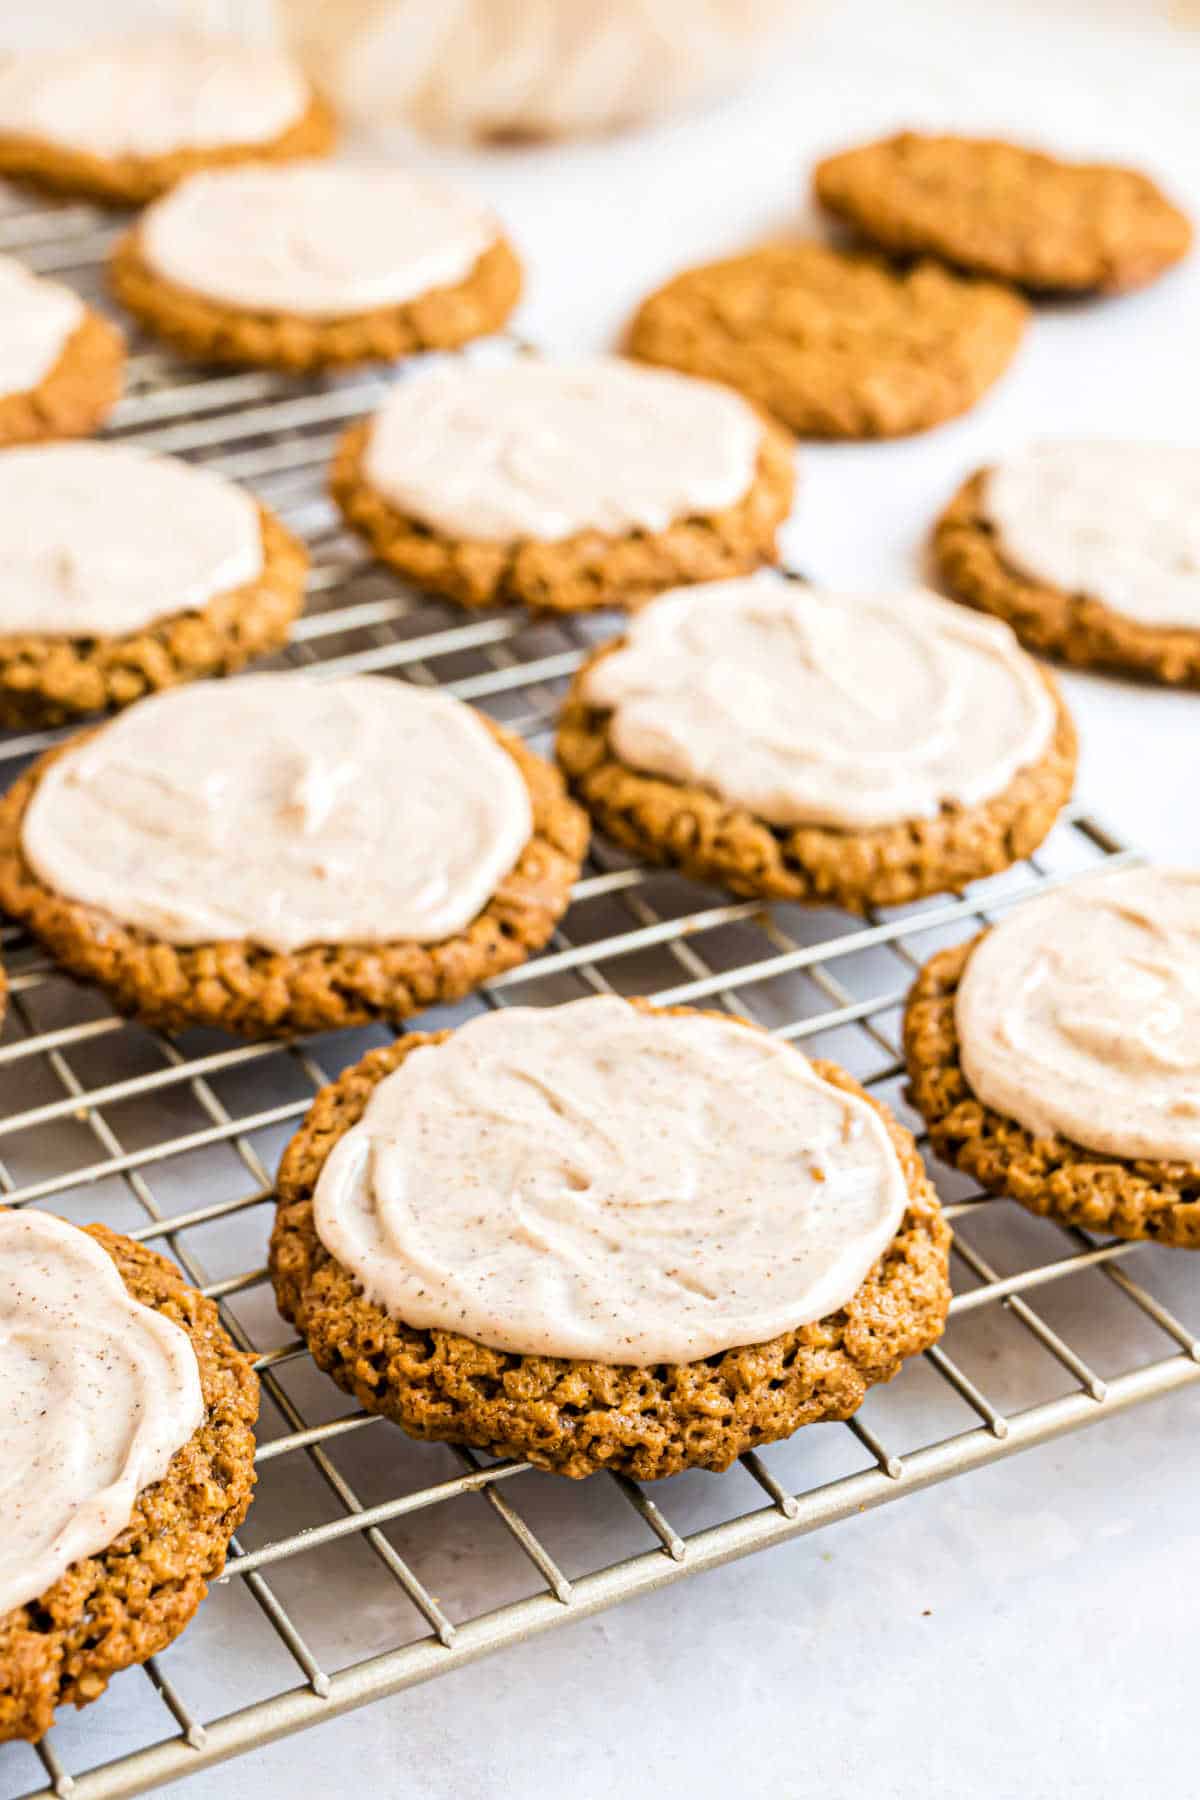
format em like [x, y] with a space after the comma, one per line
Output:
[349, 1580]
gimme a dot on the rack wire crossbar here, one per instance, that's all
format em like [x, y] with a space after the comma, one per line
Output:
[173, 1140]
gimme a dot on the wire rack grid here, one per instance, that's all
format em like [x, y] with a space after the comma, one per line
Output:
[329, 1598]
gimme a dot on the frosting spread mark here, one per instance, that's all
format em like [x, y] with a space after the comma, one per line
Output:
[594, 1181]
[544, 449]
[1079, 1015]
[284, 811]
[809, 707]
[97, 1393]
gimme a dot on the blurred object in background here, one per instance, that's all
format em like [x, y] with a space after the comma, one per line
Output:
[523, 69]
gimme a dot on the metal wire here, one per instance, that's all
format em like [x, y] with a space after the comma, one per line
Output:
[173, 1140]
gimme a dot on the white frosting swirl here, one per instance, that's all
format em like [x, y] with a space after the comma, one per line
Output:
[36, 319]
[151, 95]
[97, 1393]
[813, 708]
[594, 1181]
[98, 539]
[1117, 522]
[541, 449]
[316, 239]
[284, 811]
[1080, 1015]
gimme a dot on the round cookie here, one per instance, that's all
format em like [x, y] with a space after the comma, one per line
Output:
[572, 1414]
[155, 572]
[998, 209]
[563, 486]
[264, 881]
[121, 122]
[315, 265]
[835, 344]
[61, 363]
[131, 1600]
[868, 809]
[1114, 978]
[1094, 557]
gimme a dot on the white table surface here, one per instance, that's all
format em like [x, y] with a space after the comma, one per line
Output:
[1029, 1629]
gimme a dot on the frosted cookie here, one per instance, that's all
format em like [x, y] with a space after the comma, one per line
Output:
[315, 264]
[284, 854]
[121, 121]
[1003, 210]
[121, 573]
[1055, 1058]
[836, 345]
[1090, 551]
[563, 485]
[601, 1236]
[128, 1460]
[788, 742]
[61, 363]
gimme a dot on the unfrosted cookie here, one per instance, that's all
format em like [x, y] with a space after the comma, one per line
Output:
[117, 1514]
[579, 1298]
[315, 264]
[782, 741]
[121, 121]
[561, 485]
[999, 209]
[283, 854]
[121, 573]
[60, 362]
[1054, 1057]
[835, 345]
[1090, 551]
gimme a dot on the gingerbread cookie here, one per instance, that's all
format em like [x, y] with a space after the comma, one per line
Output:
[580, 1299]
[1002, 210]
[564, 486]
[1053, 1058]
[120, 122]
[124, 573]
[61, 363]
[802, 745]
[836, 345]
[280, 854]
[315, 265]
[117, 1516]
[1090, 551]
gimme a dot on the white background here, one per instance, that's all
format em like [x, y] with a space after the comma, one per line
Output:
[1029, 1630]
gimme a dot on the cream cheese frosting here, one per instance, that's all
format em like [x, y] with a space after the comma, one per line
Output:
[544, 449]
[594, 1181]
[815, 708]
[1079, 1014]
[284, 811]
[97, 540]
[317, 239]
[1117, 522]
[36, 319]
[151, 95]
[97, 1393]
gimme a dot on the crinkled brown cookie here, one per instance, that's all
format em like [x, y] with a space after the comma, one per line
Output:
[48, 680]
[1078, 627]
[998, 209]
[579, 573]
[133, 1599]
[835, 344]
[199, 326]
[134, 180]
[76, 395]
[576, 1417]
[693, 830]
[1050, 1175]
[240, 987]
